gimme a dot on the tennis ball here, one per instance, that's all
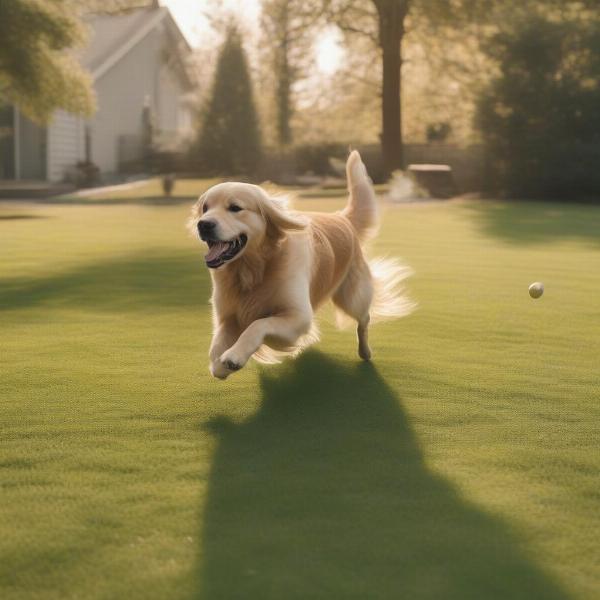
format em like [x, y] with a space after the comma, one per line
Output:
[536, 289]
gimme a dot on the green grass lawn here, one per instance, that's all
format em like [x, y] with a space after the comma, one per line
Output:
[462, 464]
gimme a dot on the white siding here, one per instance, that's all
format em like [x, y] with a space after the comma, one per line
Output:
[140, 76]
[169, 100]
[65, 144]
[121, 94]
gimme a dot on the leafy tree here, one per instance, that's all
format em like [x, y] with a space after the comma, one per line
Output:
[539, 116]
[386, 22]
[229, 142]
[382, 21]
[288, 27]
[37, 70]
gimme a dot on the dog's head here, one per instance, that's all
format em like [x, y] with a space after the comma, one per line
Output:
[238, 218]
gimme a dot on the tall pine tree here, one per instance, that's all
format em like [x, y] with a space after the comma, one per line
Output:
[230, 138]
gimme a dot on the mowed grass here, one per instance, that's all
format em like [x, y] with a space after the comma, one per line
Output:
[463, 463]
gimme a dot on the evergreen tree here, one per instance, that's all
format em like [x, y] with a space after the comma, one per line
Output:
[230, 139]
[37, 71]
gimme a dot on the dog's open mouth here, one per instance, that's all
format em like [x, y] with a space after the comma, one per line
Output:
[220, 252]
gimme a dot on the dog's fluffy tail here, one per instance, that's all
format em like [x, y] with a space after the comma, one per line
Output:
[389, 296]
[361, 210]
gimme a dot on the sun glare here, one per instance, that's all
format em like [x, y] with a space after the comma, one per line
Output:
[191, 16]
[329, 52]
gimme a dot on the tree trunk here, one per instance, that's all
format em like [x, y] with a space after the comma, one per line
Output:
[284, 107]
[391, 31]
[284, 80]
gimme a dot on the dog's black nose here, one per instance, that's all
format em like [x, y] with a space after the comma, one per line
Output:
[206, 229]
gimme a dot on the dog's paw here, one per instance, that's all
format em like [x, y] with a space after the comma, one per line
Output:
[219, 370]
[232, 366]
[229, 362]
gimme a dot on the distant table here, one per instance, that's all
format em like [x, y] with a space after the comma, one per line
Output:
[436, 179]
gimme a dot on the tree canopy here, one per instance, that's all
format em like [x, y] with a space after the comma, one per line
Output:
[288, 32]
[38, 68]
[539, 116]
[449, 31]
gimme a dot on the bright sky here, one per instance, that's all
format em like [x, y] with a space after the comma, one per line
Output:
[329, 51]
[191, 17]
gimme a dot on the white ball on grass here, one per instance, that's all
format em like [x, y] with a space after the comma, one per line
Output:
[536, 289]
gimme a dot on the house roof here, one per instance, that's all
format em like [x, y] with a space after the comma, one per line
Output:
[113, 36]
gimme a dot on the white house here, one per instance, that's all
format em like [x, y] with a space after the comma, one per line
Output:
[137, 62]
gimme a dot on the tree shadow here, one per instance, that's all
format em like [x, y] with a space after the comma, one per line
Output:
[75, 201]
[534, 222]
[139, 282]
[324, 493]
[21, 217]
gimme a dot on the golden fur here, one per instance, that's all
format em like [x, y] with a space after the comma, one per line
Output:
[265, 297]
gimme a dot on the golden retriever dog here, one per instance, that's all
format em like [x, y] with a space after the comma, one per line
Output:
[272, 268]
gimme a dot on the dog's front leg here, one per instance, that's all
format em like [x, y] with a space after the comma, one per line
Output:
[224, 336]
[285, 328]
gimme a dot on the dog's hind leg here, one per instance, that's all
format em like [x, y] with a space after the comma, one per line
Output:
[363, 338]
[354, 297]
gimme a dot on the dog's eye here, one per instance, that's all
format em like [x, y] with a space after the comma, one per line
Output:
[204, 208]
[234, 208]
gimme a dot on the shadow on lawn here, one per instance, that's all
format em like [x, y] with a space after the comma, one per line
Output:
[76, 201]
[535, 222]
[324, 494]
[21, 217]
[133, 283]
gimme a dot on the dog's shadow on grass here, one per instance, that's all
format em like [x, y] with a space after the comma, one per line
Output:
[324, 493]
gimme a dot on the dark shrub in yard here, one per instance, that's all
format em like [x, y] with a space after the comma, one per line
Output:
[314, 158]
[539, 117]
[281, 166]
[86, 174]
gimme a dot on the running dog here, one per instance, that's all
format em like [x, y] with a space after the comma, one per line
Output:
[272, 268]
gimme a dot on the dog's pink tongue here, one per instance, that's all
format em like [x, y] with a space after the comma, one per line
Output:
[216, 250]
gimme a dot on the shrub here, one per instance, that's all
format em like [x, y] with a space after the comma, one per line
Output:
[539, 118]
[314, 158]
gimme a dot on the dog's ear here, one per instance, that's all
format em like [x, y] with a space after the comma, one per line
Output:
[279, 219]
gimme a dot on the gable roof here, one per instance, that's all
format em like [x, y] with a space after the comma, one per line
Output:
[113, 36]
